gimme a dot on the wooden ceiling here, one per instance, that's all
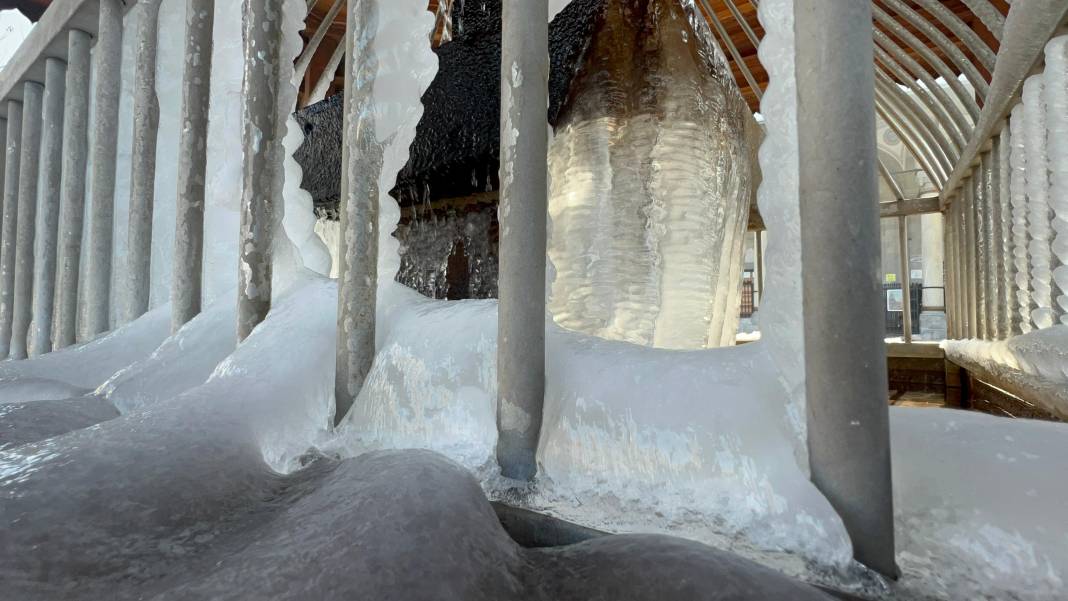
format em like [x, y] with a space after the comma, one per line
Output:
[727, 12]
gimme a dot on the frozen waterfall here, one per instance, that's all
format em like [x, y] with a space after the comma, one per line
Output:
[650, 189]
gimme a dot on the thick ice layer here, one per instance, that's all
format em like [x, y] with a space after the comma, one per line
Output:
[650, 179]
[1018, 188]
[1041, 353]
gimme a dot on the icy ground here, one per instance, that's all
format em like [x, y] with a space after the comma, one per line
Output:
[196, 475]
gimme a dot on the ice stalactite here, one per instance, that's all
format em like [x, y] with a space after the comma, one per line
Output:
[1018, 188]
[1056, 97]
[1038, 217]
[650, 184]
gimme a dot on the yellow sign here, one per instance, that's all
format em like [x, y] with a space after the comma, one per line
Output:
[891, 278]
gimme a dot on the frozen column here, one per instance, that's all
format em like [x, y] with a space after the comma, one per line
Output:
[523, 209]
[979, 208]
[27, 217]
[192, 162]
[362, 158]
[48, 195]
[262, 23]
[845, 356]
[72, 189]
[1057, 129]
[1021, 321]
[143, 164]
[12, 160]
[1038, 217]
[1003, 229]
[107, 57]
[971, 263]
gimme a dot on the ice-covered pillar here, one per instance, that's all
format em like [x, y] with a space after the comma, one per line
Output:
[1021, 320]
[1039, 215]
[192, 163]
[43, 286]
[143, 163]
[845, 355]
[12, 161]
[1057, 129]
[991, 244]
[979, 208]
[971, 286]
[107, 59]
[262, 24]
[72, 189]
[25, 228]
[906, 278]
[362, 159]
[1003, 232]
[522, 213]
[947, 253]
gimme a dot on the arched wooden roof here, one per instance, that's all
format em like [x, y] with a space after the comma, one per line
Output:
[934, 61]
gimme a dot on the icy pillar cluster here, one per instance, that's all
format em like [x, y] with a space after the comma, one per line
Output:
[1056, 97]
[650, 183]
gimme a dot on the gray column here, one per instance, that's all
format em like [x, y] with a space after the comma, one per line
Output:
[522, 213]
[950, 267]
[142, 164]
[39, 339]
[27, 217]
[262, 23]
[846, 379]
[192, 162]
[12, 162]
[107, 58]
[72, 188]
[906, 278]
[960, 208]
[362, 159]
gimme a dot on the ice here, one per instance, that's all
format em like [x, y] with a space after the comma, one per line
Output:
[1040, 353]
[203, 476]
[1057, 124]
[1038, 217]
[1018, 187]
[649, 192]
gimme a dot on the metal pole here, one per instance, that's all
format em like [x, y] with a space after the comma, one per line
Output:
[906, 279]
[12, 162]
[362, 157]
[845, 354]
[523, 209]
[107, 57]
[143, 164]
[192, 163]
[48, 196]
[27, 217]
[72, 188]
[262, 22]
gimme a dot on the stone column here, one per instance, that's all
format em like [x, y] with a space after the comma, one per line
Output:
[143, 164]
[72, 188]
[262, 23]
[39, 339]
[846, 378]
[362, 159]
[933, 311]
[523, 209]
[12, 162]
[192, 162]
[107, 57]
[33, 94]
